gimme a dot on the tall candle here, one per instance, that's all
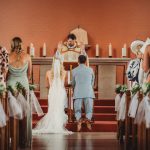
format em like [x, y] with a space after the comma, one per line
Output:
[68, 77]
[110, 50]
[32, 50]
[44, 50]
[97, 50]
[124, 51]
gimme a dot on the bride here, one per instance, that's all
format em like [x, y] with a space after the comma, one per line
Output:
[55, 120]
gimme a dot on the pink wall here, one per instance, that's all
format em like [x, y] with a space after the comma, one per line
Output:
[49, 21]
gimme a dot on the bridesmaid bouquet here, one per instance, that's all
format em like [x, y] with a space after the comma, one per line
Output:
[21, 89]
[13, 91]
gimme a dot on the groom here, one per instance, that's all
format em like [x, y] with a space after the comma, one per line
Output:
[83, 81]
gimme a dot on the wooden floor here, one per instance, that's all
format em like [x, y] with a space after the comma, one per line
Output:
[76, 141]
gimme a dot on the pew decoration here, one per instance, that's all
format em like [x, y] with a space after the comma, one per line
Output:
[143, 112]
[139, 111]
[17, 104]
[122, 105]
[3, 116]
[133, 114]
[36, 108]
[134, 100]
[117, 99]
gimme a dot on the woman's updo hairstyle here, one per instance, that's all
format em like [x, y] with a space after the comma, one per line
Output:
[16, 44]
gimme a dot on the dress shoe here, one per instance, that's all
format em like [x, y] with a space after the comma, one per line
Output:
[88, 123]
[79, 125]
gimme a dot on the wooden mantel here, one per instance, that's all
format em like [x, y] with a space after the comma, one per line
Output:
[92, 61]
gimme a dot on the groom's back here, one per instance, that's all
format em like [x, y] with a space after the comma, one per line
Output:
[83, 74]
[83, 80]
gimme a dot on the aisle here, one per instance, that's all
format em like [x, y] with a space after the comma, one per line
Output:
[77, 141]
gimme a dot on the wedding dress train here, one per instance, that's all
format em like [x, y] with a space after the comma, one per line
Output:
[55, 119]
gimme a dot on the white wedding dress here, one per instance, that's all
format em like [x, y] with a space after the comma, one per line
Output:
[55, 119]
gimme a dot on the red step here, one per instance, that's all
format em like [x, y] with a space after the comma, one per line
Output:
[37, 93]
[97, 117]
[104, 102]
[97, 109]
[96, 102]
[43, 101]
[104, 109]
[97, 126]
[104, 117]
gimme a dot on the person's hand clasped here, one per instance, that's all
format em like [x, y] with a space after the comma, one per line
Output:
[60, 45]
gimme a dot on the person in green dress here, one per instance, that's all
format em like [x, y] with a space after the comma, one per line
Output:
[19, 70]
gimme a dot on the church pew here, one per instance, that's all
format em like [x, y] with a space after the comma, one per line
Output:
[120, 128]
[134, 129]
[4, 132]
[9, 135]
[125, 127]
[141, 132]
[148, 139]
[13, 133]
[128, 123]
[140, 135]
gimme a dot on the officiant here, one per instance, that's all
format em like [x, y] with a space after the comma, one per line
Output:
[71, 49]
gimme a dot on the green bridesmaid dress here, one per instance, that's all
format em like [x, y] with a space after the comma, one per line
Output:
[25, 125]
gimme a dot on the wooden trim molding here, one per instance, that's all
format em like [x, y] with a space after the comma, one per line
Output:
[92, 61]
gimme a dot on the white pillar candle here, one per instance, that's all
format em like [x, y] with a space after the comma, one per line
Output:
[110, 50]
[68, 77]
[32, 50]
[44, 50]
[97, 50]
[124, 51]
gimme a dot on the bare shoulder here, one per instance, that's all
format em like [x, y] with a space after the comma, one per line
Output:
[48, 72]
[27, 55]
[148, 49]
[64, 71]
